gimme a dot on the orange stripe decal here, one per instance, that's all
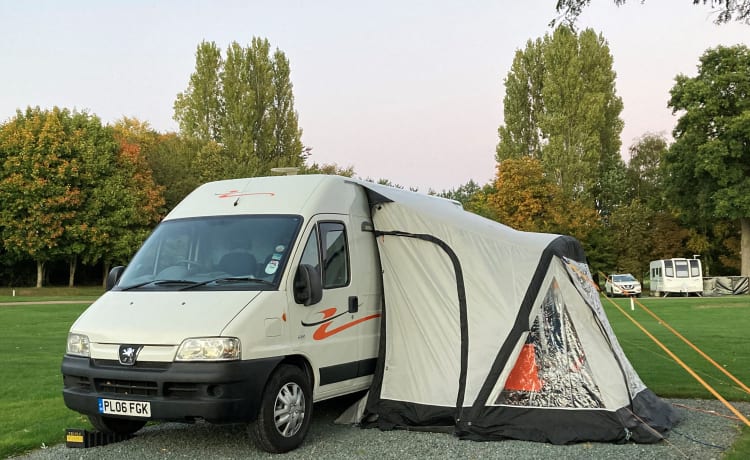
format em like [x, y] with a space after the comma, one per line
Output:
[322, 332]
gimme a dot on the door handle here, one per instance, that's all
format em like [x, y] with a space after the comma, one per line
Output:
[353, 304]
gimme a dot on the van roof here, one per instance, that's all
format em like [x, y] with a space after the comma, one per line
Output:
[303, 195]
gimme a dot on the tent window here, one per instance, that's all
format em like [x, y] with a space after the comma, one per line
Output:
[552, 369]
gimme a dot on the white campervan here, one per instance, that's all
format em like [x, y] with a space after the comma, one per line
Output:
[255, 297]
[252, 299]
[676, 276]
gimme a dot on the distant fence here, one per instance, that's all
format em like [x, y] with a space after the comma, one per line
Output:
[725, 285]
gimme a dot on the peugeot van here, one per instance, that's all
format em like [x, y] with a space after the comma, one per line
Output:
[251, 300]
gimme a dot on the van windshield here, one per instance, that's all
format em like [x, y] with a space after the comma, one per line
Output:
[214, 253]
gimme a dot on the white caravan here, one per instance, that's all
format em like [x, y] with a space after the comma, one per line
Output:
[220, 315]
[676, 276]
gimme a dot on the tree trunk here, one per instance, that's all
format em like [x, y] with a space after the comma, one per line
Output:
[39, 273]
[105, 266]
[745, 246]
[72, 273]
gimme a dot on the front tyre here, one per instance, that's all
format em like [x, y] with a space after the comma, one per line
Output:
[116, 425]
[285, 411]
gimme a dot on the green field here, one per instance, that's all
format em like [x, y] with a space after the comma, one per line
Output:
[32, 342]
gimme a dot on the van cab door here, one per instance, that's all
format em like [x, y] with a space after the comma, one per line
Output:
[330, 332]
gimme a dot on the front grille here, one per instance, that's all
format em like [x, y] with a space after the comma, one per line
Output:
[180, 390]
[150, 365]
[74, 381]
[127, 387]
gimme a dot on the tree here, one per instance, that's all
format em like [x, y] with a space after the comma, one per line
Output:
[631, 225]
[173, 160]
[561, 108]
[47, 161]
[199, 109]
[644, 169]
[137, 202]
[728, 10]
[473, 198]
[244, 104]
[708, 166]
[528, 200]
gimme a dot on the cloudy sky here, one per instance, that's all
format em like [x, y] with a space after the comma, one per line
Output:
[410, 91]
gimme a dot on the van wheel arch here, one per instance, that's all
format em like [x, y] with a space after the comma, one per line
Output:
[286, 408]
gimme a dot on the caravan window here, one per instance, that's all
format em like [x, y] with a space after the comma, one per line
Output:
[668, 269]
[681, 267]
[695, 269]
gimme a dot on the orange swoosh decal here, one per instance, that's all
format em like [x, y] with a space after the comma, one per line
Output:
[323, 333]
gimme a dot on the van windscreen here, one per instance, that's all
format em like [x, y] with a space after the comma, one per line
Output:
[246, 252]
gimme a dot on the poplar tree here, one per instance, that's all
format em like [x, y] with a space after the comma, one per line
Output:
[561, 108]
[244, 103]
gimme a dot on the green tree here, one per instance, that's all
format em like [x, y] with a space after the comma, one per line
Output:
[473, 198]
[708, 166]
[631, 226]
[561, 108]
[644, 170]
[53, 162]
[243, 103]
[728, 10]
[173, 160]
[38, 186]
[199, 109]
[135, 203]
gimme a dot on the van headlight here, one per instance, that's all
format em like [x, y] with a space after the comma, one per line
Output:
[78, 344]
[209, 349]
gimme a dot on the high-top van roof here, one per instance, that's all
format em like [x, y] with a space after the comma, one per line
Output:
[303, 195]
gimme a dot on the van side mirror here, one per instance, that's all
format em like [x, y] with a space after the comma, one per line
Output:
[114, 276]
[308, 288]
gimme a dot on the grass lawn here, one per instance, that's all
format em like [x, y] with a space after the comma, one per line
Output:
[32, 343]
[32, 294]
[718, 326]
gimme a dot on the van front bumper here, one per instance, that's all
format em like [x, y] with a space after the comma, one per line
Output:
[218, 392]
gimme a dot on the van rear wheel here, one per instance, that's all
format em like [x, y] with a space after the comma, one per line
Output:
[285, 411]
[116, 425]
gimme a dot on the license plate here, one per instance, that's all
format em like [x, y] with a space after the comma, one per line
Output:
[120, 407]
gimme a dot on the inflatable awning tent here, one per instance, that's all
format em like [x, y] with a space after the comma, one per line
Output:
[492, 333]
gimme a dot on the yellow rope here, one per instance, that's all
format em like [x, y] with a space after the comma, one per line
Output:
[669, 352]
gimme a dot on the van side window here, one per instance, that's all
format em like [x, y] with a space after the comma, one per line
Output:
[327, 248]
[311, 255]
[335, 255]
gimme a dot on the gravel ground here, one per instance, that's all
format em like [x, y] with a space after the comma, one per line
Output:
[706, 430]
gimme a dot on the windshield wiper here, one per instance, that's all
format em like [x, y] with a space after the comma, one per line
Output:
[229, 279]
[160, 283]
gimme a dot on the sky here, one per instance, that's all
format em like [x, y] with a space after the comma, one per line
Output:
[410, 91]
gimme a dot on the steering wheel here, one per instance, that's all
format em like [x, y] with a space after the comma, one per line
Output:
[190, 262]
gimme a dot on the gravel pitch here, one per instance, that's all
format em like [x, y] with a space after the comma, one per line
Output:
[707, 429]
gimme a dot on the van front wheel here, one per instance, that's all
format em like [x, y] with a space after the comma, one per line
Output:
[116, 425]
[285, 411]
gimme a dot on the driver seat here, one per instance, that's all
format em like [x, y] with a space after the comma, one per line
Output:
[238, 263]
